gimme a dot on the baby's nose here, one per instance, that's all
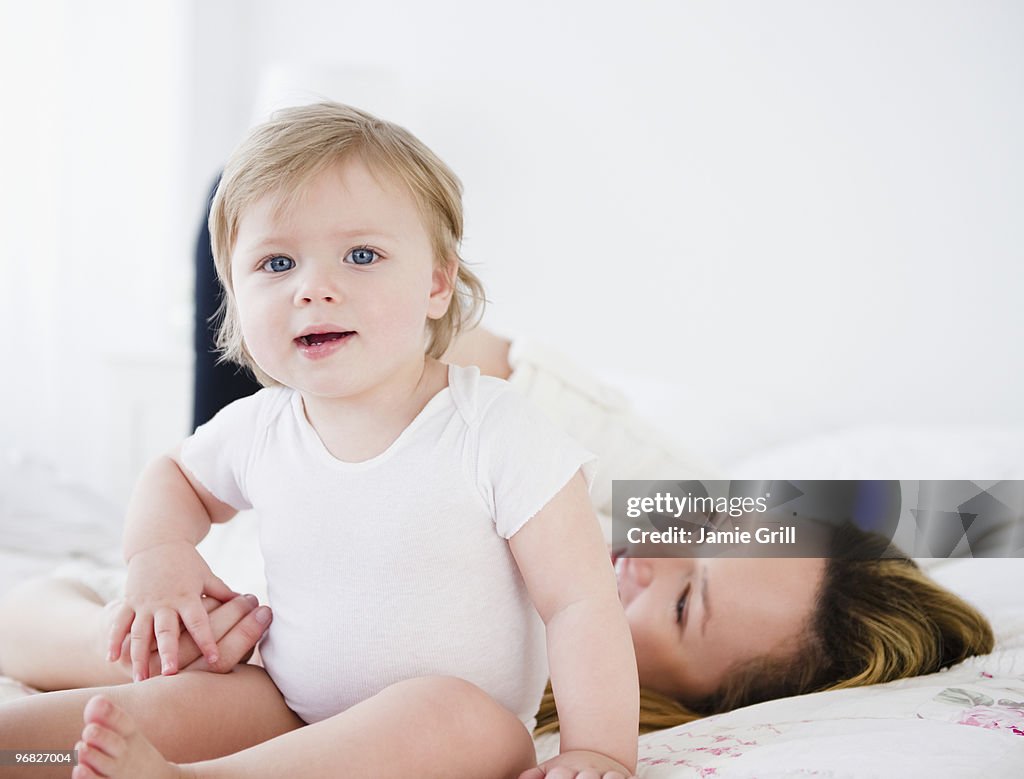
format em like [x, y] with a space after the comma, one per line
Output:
[317, 287]
[326, 297]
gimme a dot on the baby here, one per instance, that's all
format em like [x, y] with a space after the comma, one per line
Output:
[417, 519]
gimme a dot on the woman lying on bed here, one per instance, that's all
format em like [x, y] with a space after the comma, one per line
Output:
[710, 635]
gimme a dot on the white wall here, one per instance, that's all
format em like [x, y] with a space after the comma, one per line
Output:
[803, 216]
[94, 282]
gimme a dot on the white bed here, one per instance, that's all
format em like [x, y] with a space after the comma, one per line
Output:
[966, 721]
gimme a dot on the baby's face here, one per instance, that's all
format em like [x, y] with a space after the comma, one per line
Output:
[334, 292]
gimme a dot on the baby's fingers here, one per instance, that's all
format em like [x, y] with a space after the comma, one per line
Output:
[120, 624]
[165, 624]
[197, 623]
[568, 772]
[142, 640]
[564, 772]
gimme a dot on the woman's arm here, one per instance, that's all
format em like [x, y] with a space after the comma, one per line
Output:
[55, 635]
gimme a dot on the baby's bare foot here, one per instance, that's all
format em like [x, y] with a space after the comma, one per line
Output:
[112, 747]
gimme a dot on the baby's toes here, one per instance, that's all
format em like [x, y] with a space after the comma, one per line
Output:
[115, 748]
[101, 711]
[101, 738]
[82, 771]
[100, 748]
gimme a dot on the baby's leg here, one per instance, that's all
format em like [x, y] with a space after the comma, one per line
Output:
[54, 636]
[427, 727]
[194, 715]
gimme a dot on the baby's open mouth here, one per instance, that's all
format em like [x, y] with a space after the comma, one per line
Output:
[314, 339]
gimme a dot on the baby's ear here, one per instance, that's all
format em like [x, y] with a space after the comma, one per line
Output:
[442, 287]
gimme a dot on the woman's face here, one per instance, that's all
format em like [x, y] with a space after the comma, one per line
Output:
[693, 619]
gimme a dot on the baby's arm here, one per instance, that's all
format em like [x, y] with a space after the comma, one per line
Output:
[564, 562]
[169, 513]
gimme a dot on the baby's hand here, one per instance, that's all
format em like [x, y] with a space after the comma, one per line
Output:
[166, 583]
[581, 764]
[237, 625]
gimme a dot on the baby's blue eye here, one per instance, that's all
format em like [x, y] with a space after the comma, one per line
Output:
[362, 256]
[278, 264]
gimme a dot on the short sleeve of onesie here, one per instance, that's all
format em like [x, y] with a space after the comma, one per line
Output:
[524, 460]
[218, 453]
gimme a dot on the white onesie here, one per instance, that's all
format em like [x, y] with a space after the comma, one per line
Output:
[398, 566]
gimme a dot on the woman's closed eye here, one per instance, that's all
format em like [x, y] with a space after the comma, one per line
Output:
[277, 264]
[362, 255]
[681, 606]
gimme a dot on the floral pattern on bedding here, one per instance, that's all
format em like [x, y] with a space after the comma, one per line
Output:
[690, 750]
[982, 710]
[797, 737]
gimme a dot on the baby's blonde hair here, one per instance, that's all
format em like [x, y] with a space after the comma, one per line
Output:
[291, 149]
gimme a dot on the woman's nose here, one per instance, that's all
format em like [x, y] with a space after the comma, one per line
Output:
[640, 570]
[644, 571]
